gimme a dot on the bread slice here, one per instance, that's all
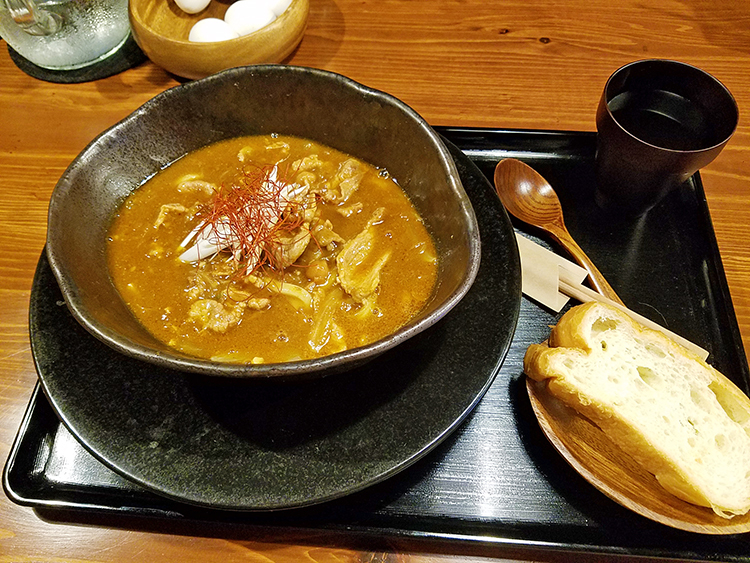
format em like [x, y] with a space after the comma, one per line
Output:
[677, 416]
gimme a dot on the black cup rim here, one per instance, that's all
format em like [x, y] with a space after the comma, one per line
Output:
[691, 68]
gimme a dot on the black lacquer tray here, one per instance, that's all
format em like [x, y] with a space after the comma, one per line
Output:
[495, 480]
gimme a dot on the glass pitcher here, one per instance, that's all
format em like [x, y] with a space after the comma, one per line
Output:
[64, 34]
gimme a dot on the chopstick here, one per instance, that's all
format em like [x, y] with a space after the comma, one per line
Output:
[571, 288]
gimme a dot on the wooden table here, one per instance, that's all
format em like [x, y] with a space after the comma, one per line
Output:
[510, 64]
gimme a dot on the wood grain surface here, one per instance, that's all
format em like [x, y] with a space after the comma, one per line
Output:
[510, 64]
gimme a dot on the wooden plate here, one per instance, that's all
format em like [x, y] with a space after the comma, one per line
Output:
[603, 464]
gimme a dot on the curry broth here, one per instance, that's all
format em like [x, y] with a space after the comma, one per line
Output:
[374, 229]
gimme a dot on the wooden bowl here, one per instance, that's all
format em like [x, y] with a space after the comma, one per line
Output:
[161, 30]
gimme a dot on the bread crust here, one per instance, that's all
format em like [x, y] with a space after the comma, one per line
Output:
[571, 344]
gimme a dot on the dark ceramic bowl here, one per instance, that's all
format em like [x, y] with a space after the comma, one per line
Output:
[314, 104]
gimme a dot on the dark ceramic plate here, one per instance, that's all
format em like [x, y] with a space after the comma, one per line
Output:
[260, 445]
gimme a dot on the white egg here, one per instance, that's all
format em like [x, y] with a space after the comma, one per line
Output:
[192, 6]
[278, 7]
[211, 29]
[247, 16]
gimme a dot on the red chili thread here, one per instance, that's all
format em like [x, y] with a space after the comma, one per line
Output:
[252, 209]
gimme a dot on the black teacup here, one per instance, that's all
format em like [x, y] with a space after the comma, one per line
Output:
[658, 122]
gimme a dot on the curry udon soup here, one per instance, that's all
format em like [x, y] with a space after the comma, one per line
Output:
[270, 249]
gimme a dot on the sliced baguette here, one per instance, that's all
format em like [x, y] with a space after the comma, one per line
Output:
[674, 414]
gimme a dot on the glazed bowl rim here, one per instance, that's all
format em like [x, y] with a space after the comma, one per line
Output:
[301, 368]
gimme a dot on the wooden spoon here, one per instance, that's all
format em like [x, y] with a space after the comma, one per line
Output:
[529, 197]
